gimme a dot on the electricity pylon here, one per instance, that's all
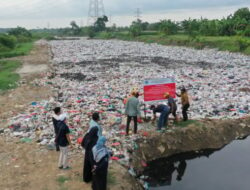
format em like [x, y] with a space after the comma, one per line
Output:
[96, 10]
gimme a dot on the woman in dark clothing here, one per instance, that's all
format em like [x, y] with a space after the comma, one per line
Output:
[101, 161]
[88, 144]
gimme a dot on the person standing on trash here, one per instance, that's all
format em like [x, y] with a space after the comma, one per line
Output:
[95, 123]
[88, 143]
[132, 110]
[55, 120]
[101, 156]
[63, 140]
[164, 110]
[172, 105]
[185, 103]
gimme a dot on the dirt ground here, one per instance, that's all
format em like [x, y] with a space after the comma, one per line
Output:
[26, 166]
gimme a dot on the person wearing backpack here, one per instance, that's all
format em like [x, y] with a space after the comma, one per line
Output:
[89, 141]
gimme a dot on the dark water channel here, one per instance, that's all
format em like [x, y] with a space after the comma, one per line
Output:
[224, 169]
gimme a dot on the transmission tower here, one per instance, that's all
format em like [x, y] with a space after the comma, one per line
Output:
[138, 14]
[96, 10]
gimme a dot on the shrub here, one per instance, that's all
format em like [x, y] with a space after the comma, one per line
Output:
[8, 41]
[243, 44]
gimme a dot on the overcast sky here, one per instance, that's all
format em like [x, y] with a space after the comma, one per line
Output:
[58, 13]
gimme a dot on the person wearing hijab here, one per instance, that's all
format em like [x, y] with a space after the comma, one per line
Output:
[101, 160]
[95, 123]
[89, 143]
[185, 103]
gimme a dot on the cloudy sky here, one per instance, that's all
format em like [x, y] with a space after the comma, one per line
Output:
[59, 13]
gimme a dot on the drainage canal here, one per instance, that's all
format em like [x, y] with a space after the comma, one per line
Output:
[224, 169]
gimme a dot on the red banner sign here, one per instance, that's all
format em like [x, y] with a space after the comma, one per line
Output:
[154, 89]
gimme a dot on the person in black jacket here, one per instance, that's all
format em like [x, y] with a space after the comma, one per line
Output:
[55, 120]
[63, 140]
[101, 156]
[88, 143]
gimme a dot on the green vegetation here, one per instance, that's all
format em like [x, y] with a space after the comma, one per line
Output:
[16, 42]
[62, 179]
[228, 34]
[19, 50]
[8, 78]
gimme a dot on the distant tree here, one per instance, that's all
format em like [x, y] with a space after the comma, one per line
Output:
[75, 28]
[144, 25]
[100, 24]
[243, 13]
[20, 31]
[154, 26]
[136, 28]
[168, 27]
[226, 27]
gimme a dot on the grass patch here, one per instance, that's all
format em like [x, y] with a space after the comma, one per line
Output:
[21, 49]
[62, 179]
[111, 178]
[187, 123]
[8, 78]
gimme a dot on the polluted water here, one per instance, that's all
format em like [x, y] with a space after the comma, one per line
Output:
[224, 169]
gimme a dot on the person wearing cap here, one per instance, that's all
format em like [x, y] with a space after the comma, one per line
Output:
[164, 110]
[95, 123]
[172, 105]
[63, 140]
[132, 111]
[55, 120]
[185, 103]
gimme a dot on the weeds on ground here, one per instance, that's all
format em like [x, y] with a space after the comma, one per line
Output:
[21, 49]
[62, 179]
[186, 123]
[8, 78]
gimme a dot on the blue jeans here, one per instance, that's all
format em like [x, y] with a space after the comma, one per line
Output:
[163, 118]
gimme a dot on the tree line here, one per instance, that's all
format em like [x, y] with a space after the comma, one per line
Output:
[236, 24]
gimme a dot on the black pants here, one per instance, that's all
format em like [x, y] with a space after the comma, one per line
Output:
[57, 147]
[87, 169]
[184, 111]
[128, 123]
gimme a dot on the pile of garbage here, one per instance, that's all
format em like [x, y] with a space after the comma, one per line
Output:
[96, 75]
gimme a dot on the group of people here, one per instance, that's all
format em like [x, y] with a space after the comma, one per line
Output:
[132, 109]
[97, 155]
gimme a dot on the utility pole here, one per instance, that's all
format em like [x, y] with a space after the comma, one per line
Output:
[96, 10]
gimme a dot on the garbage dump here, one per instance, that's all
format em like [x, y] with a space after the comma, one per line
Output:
[96, 75]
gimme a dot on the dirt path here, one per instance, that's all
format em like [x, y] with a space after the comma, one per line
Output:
[15, 101]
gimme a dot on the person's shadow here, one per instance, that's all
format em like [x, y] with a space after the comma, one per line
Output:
[181, 170]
